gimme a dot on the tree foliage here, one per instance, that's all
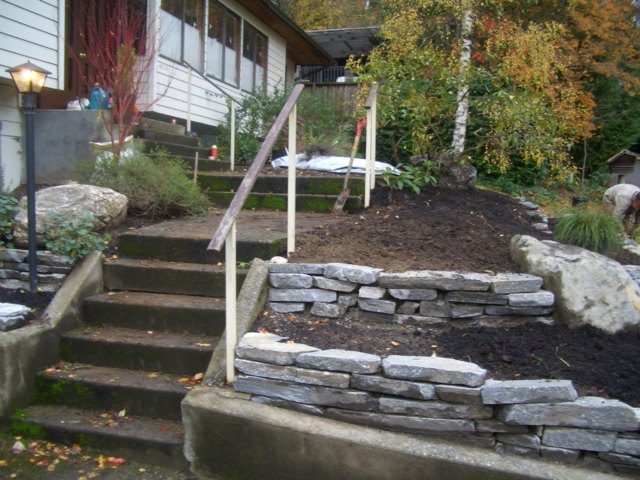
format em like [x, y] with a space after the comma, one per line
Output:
[326, 14]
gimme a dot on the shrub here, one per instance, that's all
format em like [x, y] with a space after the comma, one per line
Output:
[158, 187]
[410, 177]
[592, 229]
[8, 211]
[73, 235]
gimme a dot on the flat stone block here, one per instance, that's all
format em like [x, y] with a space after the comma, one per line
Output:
[541, 298]
[528, 391]
[302, 295]
[578, 438]
[352, 273]
[333, 284]
[515, 283]
[433, 369]
[283, 307]
[377, 306]
[413, 293]
[372, 293]
[268, 348]
[433, 409]
[340, 360]
[308, 268]
[329, 310]
[293, 374]
[439, 280]
[290, 280]
[401, 388]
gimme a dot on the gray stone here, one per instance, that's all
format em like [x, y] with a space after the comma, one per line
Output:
[458, 394]
[419, 425]
[494, 426]
[267, 348]
[577, 438]
[308, 394]
[413, 293]
[529, 204]
[563, 455]
[528, 391]
[348, 300]
[526, 440]
[293, 374]
[408, 308]
[329, 310]
[282, 307]
[620, 459]
[525, 311]
[372, 293]
[340, 361]
[466, 311]
[433, 409]
[308, 268]
[372, 317]
[290, 280]
[440, 280]
[585, 412]
[477, 297]
[589, 288]
[302, 295]
[628, 444]
[108, 208]
[420, 320]
[352, 273]
[12, 316]
[378, 306]
[435, 308]
[541, 298]
[433, 369]
[297, 407]
[401, 388]
[332, 284]
[505, 448]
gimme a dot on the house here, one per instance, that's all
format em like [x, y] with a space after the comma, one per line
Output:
[205, 52]
[624, 167]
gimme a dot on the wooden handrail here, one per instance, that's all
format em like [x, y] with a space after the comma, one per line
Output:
[218, 239]
[372, 95]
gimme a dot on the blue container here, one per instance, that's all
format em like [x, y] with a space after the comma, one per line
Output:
[98, 98]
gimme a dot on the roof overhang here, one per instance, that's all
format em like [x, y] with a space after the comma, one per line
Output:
[301, 48]
[341, 43]
[623, 153]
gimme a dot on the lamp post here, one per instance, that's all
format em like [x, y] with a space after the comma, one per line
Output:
[29, 80]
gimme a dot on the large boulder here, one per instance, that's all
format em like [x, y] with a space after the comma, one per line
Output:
[107, 206]
[589, 288]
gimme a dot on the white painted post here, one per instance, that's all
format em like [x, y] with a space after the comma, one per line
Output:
[232, 143]
[195, 170]
[230, 300]
[368, 163]
[189, 101]
[291, 191]
[374, 134]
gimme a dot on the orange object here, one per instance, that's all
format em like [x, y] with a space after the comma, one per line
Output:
[213, 155]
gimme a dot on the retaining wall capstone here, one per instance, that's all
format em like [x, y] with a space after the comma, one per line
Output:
[432, 396]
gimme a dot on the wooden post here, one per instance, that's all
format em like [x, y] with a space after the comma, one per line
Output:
[195, 170]
[291, 191]
[232, 143]
[230, 301]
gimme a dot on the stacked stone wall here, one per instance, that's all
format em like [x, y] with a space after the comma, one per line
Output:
[431, 396]
[52, 269]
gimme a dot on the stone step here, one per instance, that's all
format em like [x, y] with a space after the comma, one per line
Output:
[153, 441]
[278, 201]
[165, 137]
[134, 392]
[152, 351]
[167, 277]
[155, 311]
[160, 126]
[185, 151]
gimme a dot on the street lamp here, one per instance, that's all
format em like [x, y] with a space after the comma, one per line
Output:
[29, 80]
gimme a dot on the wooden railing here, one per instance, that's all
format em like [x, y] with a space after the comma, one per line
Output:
[370, 175]
[225, 235]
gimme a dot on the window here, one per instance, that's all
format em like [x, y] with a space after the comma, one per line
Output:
[181, 27]
[223, 44]
[254, 59]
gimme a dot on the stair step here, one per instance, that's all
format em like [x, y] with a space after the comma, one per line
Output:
[166, 137]
[136, 392]
[148, 146]
[160, 126]
[167, 277]
[153, 441]
[278, 201]
[156, 311]
[152, 351]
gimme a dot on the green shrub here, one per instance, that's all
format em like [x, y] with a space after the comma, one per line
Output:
[73, 235]
[592, 229]
[8, 211]
[411, 177]
[157, 187]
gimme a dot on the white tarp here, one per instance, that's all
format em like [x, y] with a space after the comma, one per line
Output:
[331, 164]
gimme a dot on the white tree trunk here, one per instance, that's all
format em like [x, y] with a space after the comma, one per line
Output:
[462, 110]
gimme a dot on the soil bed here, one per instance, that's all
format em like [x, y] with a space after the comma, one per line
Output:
[466, 230]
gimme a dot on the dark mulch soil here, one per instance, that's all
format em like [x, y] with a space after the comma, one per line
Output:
[459, 229]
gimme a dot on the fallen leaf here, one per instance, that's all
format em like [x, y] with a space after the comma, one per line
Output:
[122, 413]
[198, 376]
[203, 344]
[394, 343]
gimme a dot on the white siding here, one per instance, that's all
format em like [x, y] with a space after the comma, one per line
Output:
[208, 105]
[33, 30]
[10, 138]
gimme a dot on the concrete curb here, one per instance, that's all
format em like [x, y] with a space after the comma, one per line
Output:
[228, 436]
[25, 351]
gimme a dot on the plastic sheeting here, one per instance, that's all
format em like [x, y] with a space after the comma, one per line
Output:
[331, 164]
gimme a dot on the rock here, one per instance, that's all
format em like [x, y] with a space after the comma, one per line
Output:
[267, 348]
[293, 374]
[528, 391]
[12, 316]
[340, 361]
[459, 174]
[302, 295]
[589, 288]
[108, 207]
[352, 273]
[290, 280]
[433, 369]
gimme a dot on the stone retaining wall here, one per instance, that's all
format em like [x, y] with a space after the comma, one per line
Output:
[431, 395]
[52, 269]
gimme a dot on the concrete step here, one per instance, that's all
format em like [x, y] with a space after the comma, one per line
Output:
[278, 201]
[167, 277]
[154, 441]
[152, 351]
[160, 126]
[155, 311]
[185, 151]
[166, 137]
[134, 392]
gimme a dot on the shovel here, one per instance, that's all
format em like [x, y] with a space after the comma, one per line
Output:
[344, 195]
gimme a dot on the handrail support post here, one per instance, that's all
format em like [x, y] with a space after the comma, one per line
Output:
[291, 188]
[230, 301]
